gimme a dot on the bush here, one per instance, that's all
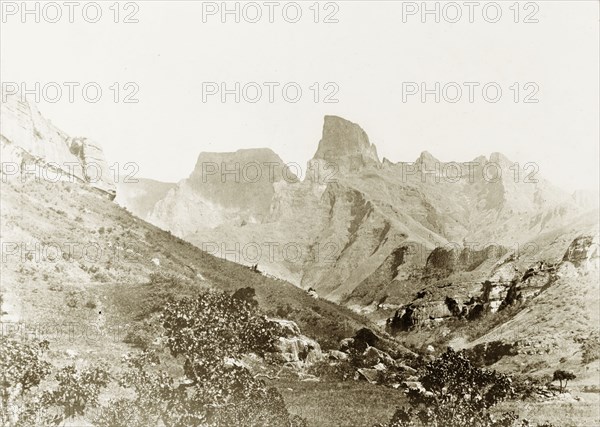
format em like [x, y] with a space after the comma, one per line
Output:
[487, 354]
[457, 394]
[23, 369]
[76, 391]
[247, 294]
[215, 325]
[72, 299]
[207, 335]
[364, 338]
[591, 350]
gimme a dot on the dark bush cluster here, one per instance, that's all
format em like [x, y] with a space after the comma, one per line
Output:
[457, 394]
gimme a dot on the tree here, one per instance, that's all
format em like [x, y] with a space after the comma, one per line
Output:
[560, 376]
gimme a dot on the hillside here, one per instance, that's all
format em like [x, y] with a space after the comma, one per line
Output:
[88, 249]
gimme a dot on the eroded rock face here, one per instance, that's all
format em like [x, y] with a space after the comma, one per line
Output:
[232, 189]
[295, 347]
[583, 251]
[346, 145]
[40, 150]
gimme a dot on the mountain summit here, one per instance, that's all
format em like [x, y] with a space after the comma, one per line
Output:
[345, 143]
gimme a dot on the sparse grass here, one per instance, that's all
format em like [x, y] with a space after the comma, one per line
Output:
[557, 412]
[340, 404]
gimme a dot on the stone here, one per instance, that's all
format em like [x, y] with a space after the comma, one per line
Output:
[338, 355]
[371, 375]
[346, 344]
[373, 356]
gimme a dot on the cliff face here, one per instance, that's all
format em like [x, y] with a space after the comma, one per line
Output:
[35, 148]
[345, 145]
[224, 189]
[358, 230]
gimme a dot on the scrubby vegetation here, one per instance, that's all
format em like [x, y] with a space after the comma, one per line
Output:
[204, 338]
[455, 393]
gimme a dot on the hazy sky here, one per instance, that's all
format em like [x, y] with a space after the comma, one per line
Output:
[368, 54]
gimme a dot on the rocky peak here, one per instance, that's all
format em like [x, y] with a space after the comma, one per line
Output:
[41, 150]
[426, 161]
[252, 164]
[346, 144]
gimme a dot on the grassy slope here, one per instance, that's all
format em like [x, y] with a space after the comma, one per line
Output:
[64, 215]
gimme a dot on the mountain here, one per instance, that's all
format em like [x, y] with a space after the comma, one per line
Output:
[356, 226]
[32, 146]
[141, 194]
[72, 256]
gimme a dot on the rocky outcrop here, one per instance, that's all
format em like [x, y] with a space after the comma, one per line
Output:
[583, 252]
[294, 347]
[230, 189]
[456, 258]
[39, 150]
[344, 146]
[140, 196]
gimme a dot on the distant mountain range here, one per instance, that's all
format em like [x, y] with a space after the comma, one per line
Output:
[354, 221]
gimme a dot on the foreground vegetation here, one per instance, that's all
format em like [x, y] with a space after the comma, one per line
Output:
[194, 375]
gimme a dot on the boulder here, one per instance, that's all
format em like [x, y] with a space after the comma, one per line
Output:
[372, 356]
[371, 375]
[414, 385]
[295, 347]
[338, 355]
[405, 368]
[346, 344]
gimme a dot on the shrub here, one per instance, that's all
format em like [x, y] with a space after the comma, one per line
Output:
[207, 334]
[487, 354]
[591, 350]
[457, 394]
[76, 391]
[247, 294]
[364, 338]
[215, 325]
[23, 368]
[72, 299]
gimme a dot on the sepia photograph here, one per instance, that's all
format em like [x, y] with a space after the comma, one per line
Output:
[355, 213]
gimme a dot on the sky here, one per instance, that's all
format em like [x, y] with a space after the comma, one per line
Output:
[367, 61]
